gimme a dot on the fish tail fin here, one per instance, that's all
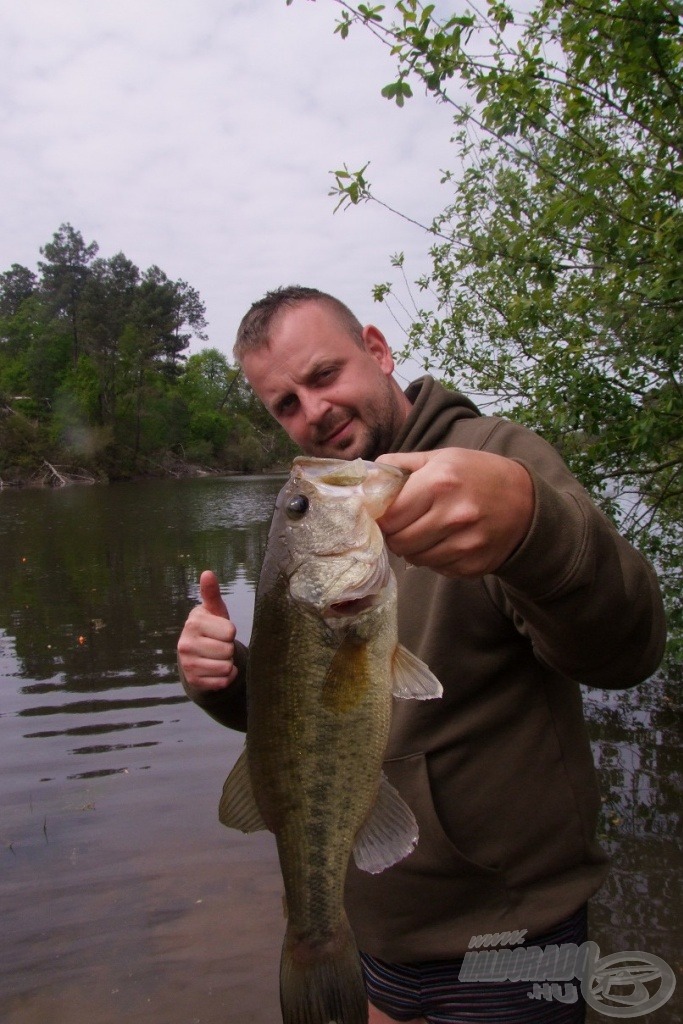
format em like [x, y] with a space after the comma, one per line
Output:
[322, 984]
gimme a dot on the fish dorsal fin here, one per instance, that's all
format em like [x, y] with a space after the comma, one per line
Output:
[237, 807]
[388, 834]
[411, 678]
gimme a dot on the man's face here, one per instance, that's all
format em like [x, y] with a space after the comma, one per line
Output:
[334, 399]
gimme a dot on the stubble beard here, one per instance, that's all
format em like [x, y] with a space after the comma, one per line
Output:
[378, 426]
[378, 441]
[383, 423]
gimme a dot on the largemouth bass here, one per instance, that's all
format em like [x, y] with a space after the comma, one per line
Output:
[324, 665]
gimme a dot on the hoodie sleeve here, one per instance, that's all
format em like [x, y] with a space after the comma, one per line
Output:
[588, 601]
[227, 706]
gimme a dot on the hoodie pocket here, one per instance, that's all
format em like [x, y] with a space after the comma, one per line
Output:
[436, 856]
[429, 904]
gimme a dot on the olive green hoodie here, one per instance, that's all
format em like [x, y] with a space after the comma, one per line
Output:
[499, 771]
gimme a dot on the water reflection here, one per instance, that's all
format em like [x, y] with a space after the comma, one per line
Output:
[636, 746]
[91, 572]
[122, 896]
[118, 885]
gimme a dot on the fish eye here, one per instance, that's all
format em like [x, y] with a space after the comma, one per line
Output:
[297, 507]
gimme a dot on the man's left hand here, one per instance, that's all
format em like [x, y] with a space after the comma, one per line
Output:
[461, 512]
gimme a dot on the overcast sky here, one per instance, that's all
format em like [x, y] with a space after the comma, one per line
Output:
[198, 135]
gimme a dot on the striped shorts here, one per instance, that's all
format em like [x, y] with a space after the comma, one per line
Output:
[432, 989]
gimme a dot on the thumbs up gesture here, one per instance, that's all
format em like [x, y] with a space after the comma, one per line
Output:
[206, 648]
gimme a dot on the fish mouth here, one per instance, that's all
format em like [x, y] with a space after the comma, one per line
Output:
[362, 597]
[354, 606]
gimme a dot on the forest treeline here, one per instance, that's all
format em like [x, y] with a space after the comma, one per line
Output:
[95, 380]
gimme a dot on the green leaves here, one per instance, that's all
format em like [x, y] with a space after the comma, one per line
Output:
[556, 285]
[370, 13]
[93, 373]
[350, 186]
[398, 91]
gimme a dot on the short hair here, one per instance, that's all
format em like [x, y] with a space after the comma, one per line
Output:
[253, 331]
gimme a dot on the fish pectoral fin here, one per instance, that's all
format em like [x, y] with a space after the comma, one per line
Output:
[411, 678]
[237, 807]
[388, 834]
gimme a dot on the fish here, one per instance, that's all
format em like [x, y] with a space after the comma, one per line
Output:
[324, 667]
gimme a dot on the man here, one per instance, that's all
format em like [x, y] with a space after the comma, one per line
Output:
[514, 589]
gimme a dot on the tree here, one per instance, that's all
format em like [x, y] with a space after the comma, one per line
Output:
[64, 275]
[93, 373]
[227, 421]
[17, 322]
[163, 317]
[107, 301]
[169, 313]
[208, 380]
[16, 284]
[555, 284]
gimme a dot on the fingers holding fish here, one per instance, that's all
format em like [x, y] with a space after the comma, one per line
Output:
[461, 512]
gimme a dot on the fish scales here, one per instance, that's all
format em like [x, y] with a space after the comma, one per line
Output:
[324, 699]
[324, 662]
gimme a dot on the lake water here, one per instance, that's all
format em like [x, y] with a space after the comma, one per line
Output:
[121, 897]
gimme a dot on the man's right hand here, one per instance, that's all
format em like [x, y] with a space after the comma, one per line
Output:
[206, 648]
